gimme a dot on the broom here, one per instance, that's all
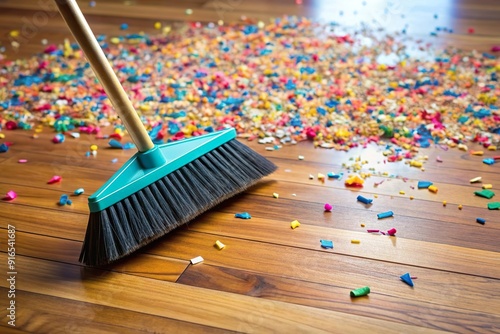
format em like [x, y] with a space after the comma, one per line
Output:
[162, 186]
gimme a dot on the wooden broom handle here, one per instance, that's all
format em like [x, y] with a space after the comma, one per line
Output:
[83, 34]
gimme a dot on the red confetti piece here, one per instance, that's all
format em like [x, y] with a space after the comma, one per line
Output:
[55, 179]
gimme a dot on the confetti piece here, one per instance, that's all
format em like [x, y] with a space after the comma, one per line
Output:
[59, 138]
[311, 177]
[276, 195]
[363, 225]
[462, 147]
[407, 279]
[478, 153]
[328, 207]
[219, 245]
[115, 144]
[487, 186]
[424, 184]
[22, 161]
[386, 214]
[364, 200]
[75, 135]
[438, 159]
[476, 179]
[414, 163]
[335, 176]
[484, 193]
[93, 147]
[79, 191]
[444, 203]
[55, 179]
[197, 259]
[294, 224]
[411, 197]
[328, 244]
[11, 195]
[433, 189]
[115, 160]
[372, 231]
[321, 177]
[301, 157]
[489, 161]
[355, 241]
[243, 215]
[69, 202]
[460, 207]
[492, 148]
[392, 232]
[401, 192]
[360, 292]
[494, 205]
[481, 220]
[4, 148]
[63, 199]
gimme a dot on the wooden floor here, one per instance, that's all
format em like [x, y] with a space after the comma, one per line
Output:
[269, 278]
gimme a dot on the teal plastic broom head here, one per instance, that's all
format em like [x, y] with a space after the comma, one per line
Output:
[148, 167]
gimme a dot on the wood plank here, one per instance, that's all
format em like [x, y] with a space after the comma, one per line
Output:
[38, 313]
[191, 304]
[331, 297]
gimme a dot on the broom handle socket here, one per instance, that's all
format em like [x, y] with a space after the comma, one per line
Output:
[80, 29]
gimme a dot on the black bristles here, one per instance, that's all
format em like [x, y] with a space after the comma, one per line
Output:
[171, 202]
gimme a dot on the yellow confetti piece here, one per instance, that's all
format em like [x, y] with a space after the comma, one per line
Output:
[411, 197]
[444, 203]
[433, 189]
[487, 186]
[157, 25]
[401, 192]
[219, 245]
[492, 148]
[14, 33]
[276, 195]
[294, 224]
[462, 147]
[460, 207]
[363, 225]
[415, 163]
[2, 136]
[477, 153]
[93, 147]
[355, 241]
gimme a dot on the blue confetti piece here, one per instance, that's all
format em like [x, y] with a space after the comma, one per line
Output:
[115, 160]
[115, 144]
[489, 161]
[69, 202]
[328, 244]
[364, 200]
[63, 199]
[407, 279]
[386, 214]
[79, 191]
[243, 215]
[4, 148]
[424, 184]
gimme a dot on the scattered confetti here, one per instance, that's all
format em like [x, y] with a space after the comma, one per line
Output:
[364, 200]
[4, 148]
[22, 161]
[494, 205]
[301, 157]
[484, 193]
[243, 215]
[489, 161]
[444, 203]
[55, 179]
[481, 221]
[487, 186]
[63, 200]
[328, 207]
[438, 159]
[386, 214]
[407, 279]
[276, 195]
[294, 224]
[433, 189]
[460, 207]
[373, 231]
[219, 245]
[59, 138]
[321, 177]
[360, 292]
[402, 192]
[197, 259]
[79, 191]
[11, 195]
[392, 232]
[328, 244]
[355, 241]
[476, 179]
[424, 184]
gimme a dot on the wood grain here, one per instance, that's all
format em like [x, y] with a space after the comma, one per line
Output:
[269, 278]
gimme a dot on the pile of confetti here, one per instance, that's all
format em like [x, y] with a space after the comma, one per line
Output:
[290, 80]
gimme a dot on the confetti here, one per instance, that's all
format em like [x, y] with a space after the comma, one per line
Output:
[276, 195]
[424, 184]
[79, 191]
[196, 260]
[481, 221]
[328, 207]
[219, 245]
[372, 231]
[4, 148]
[355, 241]
[63, 200]
[433, 189]
[364, 199]
[22, 161]
[386, 214]
[494, 205]
[407, 279]
[489, 161]
[476, 179]
[360, 292]
[328, 244]
[391, 232]
[55, 179]
[485, 193]
[243, 215]
[11, 195]
[294, 224]
[460, 207]
[487, 186]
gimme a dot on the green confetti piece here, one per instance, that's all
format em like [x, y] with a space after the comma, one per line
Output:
[486, 193]
[360, 292]
[494, 205]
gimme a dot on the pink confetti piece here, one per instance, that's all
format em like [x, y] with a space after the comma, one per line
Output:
[392, 232]
[438, 159]
[413, 277]
[55, 179]
[328, 207]
[372, 231]
[22, 161]
[378, 183]
[11, 194]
